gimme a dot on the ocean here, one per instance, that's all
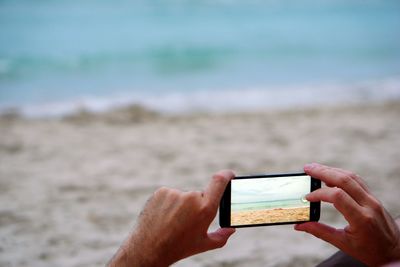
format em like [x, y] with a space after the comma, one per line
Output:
[187, 55]
[287, 203]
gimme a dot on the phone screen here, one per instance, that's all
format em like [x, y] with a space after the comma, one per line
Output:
[270, 200]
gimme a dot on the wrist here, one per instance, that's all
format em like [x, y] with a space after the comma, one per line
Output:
[392, 255]
[137, 251]
[395, 256]
[132, 254]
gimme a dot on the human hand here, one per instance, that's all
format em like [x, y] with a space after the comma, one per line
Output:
[372, 235]
[173, 225]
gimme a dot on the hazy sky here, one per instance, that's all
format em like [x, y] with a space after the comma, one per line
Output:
[269, 189]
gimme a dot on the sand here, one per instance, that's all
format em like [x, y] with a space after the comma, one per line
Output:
[71, 188]
[270, 216]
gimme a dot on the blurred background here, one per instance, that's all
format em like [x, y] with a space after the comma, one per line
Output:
[56, 56]
[102, 102]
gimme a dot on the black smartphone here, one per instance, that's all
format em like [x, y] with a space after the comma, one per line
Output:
[269, 199]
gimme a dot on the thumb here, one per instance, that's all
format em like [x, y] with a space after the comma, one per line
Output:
[218, 238]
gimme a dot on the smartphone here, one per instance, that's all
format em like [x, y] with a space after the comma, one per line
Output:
[269, 199]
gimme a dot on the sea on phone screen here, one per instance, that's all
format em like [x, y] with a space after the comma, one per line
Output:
[270, 200]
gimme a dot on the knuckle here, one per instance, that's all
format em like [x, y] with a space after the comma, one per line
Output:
[323, 169]
[368, 217]
[353, 176]
[376, 206]
[218, 178]
[345, 180]
[161, 191]
[338, 194]
[173, 193]
[167, 193]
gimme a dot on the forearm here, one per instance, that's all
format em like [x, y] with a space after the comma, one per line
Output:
[120, 259]
[133, 254]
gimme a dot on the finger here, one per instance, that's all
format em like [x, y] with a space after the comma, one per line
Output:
[356, 178]
[341, 200]
[216, 187]
[333, 177]
[218, 238]
[329, 185]
[322, 231]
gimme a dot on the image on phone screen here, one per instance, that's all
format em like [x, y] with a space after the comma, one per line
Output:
[269, 200]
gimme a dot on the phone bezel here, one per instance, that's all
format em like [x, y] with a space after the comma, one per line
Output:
[225, 203]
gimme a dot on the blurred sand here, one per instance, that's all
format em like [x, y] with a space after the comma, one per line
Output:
[70, 189]
[270, 216]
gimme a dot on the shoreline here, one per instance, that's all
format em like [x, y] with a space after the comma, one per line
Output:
[257, 99]
[134, 113]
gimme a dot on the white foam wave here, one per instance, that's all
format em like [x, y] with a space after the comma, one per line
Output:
[250, 99]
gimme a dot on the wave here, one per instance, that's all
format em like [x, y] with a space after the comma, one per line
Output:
[178, 59]
[214, 101]
[165, 60]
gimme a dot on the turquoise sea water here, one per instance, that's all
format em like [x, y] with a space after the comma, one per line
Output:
[287, 203]
[172, 55]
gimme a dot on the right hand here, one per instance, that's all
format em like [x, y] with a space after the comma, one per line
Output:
[372, 235]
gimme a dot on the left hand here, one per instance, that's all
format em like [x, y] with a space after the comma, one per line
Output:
[174, 225]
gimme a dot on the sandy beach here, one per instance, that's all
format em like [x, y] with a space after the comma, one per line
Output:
[270, 216]
[71, 188]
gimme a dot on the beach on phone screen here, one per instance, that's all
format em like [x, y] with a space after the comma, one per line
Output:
[270, 200]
